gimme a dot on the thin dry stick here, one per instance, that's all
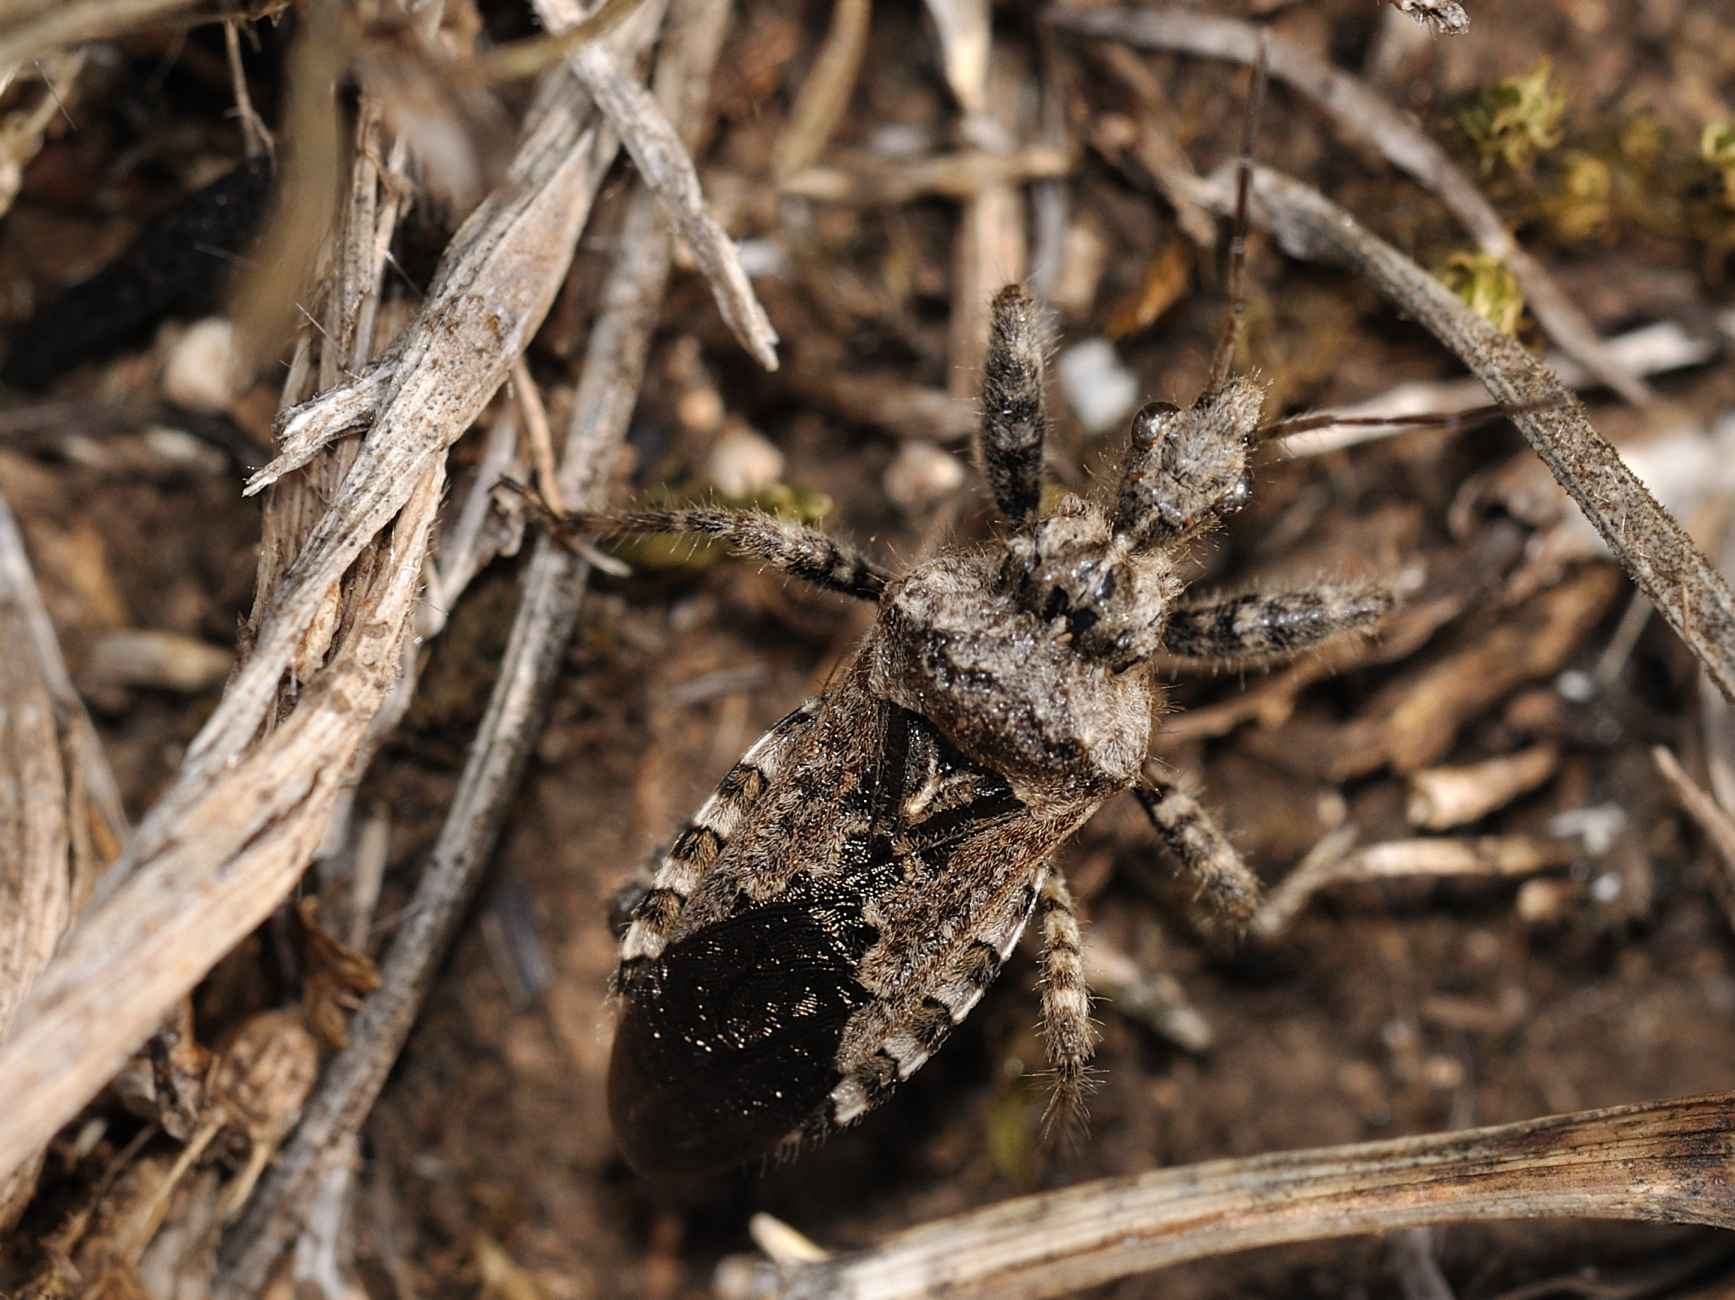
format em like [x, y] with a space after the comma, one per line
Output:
[1664, 1161]
[1492, 855]
[1444, 797]
[246, 812]
[31, 28]
[823, 97]
[1648, 350]
[50, 851]
[1365, 115]
[882, 182]
[553, 588]
[666, 168]
[1654, 549]
[1712, 818]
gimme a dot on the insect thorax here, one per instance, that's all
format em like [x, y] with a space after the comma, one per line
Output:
[1006, 688]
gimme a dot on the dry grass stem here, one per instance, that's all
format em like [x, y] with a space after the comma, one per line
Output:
[882, 401]
[24, 127]
[553, 588]
[1496, 855]
[1412, 721]
[666, 168]
[246, 812]
[60, 821]
[1154, 999]
[1711, 817]
[1653, 548]
[1444, 797]
[1364, 115]
[1663, 1161]
[536, 432]
[820, 104]
[880, 182]
[30, 29]
[1648, 350]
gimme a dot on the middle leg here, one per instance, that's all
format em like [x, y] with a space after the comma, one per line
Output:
[1229, 891]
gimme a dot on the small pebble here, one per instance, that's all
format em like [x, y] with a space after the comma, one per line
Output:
[922, 475]
[742, 462]
[200, 373]
[1100, 390]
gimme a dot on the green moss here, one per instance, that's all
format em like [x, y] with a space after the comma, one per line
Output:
[1515, 121]
[1487, 285]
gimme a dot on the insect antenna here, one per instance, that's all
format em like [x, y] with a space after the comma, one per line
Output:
[1470, 418]
[1231, 339]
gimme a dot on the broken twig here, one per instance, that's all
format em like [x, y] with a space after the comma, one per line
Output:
[1664, 1161]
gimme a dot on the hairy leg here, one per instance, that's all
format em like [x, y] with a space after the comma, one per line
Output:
[1259, 626]
[1068, 1033]
[795, 549]
[1227, 889]
[1014, 405]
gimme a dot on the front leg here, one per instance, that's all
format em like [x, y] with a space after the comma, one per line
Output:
[791, 547]
[1263, 626]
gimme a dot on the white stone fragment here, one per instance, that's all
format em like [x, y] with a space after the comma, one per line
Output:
[200, 374]
[742, 462]
[1100, 390]
[922, 475]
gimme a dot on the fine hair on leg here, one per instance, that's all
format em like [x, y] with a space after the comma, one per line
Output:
[1223, 888]
[1069, 1035]
[1014, 405]
[793, 548]
[1261, 627]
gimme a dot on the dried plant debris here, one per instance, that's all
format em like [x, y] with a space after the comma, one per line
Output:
[1449, 19]
[329, 1012]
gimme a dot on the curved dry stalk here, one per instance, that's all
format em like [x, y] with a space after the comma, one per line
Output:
[554, 585]
[247, 811]
[1364, 115]
[1487, 856]
[667, 170]
[1665, 1161]
[1652, 547]
[32, 28]
[824, 96]
[60, 819]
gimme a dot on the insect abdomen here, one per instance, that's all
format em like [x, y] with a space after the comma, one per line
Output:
[730, 1041]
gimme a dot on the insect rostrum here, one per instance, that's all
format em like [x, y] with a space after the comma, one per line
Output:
[855, 883]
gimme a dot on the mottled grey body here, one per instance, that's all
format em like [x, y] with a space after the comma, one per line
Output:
[840, 903]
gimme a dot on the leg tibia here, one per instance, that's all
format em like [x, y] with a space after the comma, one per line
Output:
[1227, 889]
[1068, 1034]
[795, 549]
[1258, 625]
[1014, 415]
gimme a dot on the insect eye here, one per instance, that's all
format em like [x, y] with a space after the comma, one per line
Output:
[1149, 423]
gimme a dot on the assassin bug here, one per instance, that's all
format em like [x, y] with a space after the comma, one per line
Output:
[855, 883]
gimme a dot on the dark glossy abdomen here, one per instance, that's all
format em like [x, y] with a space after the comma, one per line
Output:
[730, 1040]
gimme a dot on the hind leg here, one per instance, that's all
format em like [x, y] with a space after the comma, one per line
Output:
[1069, 1035]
